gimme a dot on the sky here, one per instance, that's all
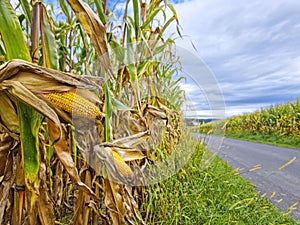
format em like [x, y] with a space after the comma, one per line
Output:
[251, 47]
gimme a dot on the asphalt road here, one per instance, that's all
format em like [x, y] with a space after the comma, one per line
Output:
[262, 165]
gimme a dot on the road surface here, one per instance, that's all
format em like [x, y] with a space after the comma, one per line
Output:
[277, 169]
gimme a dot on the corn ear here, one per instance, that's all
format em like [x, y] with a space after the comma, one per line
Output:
[71, 102]
[121, 165]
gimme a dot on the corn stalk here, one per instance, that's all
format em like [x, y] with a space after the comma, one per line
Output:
[127, 106]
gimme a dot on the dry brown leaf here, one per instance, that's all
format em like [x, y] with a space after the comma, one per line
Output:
[6, 144]
[17, 90]
[116, 168]
[79, 209]
[8, 116]
[44, 205]
[63, 153]
[156, 112]
[132, 140]
[6, 182]
[132, 204]
[114, 202]
[104, 218]
[129, 155]
[33, 75]
[95, 29]
[24, 81]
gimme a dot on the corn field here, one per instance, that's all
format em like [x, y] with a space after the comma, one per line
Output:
[275, 120]
[85, 93]
[278, 120]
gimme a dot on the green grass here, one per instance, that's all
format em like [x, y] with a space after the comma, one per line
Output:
[284, 141]
[215, 195]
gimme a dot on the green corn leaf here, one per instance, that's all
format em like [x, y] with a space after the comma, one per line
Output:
[136, 17]
[129, 45]
[29, 130]
[108, 113]
[65, 9]
[134, 80]
[143, 68]
[50, 54]
[11, 33]
[15, 46]
[129, 30]
[150, 18]
[26, 9]
[153, 5]
[167, 24]
[99, 6]
[175, 82]
[119, 105]
[2, 50]
[171, 7]
[118, 50]
[83, 36]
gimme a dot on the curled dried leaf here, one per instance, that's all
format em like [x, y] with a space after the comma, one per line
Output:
[63, 153]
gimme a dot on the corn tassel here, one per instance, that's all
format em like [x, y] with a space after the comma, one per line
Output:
[75, 104]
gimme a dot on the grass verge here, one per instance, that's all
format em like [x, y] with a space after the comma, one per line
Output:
[283, 141]
[215, 195]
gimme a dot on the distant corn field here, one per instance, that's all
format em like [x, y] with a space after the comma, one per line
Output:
[51, 171]
[278, 120]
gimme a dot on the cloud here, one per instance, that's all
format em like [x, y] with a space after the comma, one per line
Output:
[250, 46]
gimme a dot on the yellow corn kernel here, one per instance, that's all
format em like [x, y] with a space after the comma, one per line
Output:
[75, 104]
[121, 165]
